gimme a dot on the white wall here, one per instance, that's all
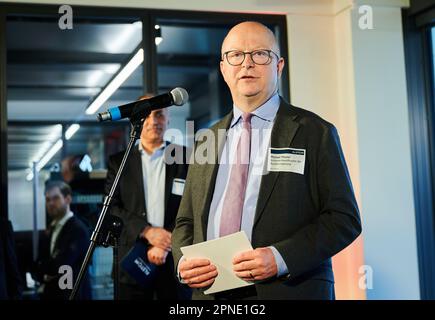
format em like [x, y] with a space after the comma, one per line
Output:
[385, 156]
[355, 79]
[20, 201]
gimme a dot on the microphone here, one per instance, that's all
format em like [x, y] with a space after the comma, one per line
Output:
[142, 108]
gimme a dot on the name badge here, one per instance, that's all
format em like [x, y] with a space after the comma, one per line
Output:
[286, 160]
[178, 186]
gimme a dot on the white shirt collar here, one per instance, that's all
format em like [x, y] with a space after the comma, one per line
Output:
[267, 111]
[61, 222]
[156, 151]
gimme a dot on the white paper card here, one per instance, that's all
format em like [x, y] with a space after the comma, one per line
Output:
[287, 160]
[178, 186]
[221, 252]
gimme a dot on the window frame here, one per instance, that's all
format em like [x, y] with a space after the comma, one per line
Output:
[417, 23]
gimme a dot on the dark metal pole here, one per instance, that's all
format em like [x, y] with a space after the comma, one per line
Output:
[135, 134]
[35, 235]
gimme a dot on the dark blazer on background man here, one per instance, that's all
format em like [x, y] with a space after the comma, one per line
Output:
[307, 217]
[69, 249]
[129, 201]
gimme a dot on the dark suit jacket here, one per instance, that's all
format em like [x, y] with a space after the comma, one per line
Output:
[11, 283]
[129, 202]
[308, 218]
[69, 249]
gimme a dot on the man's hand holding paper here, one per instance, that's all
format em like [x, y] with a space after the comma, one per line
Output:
[225, 263]
[198, 273]
[258, 264]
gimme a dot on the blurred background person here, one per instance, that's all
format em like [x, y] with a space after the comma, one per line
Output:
[68, 240]
[147, 200]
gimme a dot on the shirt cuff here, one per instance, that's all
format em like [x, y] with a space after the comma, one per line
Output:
[178, 271]
[282, 267]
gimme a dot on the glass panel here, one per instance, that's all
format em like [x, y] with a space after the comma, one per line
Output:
[53, 76]
[189, 57]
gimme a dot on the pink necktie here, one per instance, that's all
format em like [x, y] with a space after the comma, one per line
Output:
[232, 208]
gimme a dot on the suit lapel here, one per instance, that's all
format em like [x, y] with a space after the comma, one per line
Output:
[170, 173]
[60, 236]
[211, 170]
[283, 132]
[137, 174]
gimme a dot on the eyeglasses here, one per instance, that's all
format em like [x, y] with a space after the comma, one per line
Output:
[260, 57]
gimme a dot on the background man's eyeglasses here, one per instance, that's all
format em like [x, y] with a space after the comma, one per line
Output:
[260, 57]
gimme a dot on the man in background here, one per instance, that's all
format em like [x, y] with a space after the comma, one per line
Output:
[67, 245]
[147, 200]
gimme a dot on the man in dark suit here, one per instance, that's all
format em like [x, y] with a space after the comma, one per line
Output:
[67, 245]
[286, 185]
[147, 200]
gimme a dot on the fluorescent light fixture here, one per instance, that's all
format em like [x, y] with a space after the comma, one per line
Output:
[103, 96]
[41, 163]
[130, 32]
[56, 132]
[53, 150]
[71, 130]
[116, 82]
[43, 150]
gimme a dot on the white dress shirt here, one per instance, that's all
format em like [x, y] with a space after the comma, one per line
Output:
[154, 177]
[57, 228]
[261, 128]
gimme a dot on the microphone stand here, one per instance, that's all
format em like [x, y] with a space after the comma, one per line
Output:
[136, 122]
[110, 234]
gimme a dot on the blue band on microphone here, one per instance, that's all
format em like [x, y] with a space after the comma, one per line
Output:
[115, 113]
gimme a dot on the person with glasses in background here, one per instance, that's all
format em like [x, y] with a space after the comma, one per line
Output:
[286, 185]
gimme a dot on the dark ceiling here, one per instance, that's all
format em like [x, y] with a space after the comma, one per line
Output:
[54, 74]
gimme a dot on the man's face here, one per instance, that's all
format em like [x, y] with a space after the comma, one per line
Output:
[154, 126]
[250, 80]
[56, 203]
